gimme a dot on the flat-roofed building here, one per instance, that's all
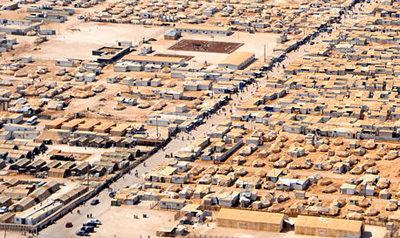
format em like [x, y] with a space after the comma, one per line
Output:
[201, 29]
[237, 60]
[328, 227]
[251, 220]
[156, 60]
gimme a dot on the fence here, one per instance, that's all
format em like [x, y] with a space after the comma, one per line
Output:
[392, 234]
[177, 216]
[375, 222]
[154, 204]
[193, 235]
[16, 227]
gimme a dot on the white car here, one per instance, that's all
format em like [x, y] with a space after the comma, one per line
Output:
[95, 221]
[3, 210]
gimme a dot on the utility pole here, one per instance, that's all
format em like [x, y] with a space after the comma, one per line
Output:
[264, 52]
[157, 125]
[88, 178]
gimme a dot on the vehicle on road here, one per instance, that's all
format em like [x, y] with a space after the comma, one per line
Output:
[95, 202]
[82, 233]
[112, 194]
[68, 225]
[3, 210]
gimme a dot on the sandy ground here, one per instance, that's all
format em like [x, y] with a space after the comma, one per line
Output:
[95, 153]
[123, 217]
[79, 41]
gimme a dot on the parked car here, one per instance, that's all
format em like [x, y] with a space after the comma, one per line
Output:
[82, 233]
[3, 210]
[95, 202]
[87, 228]
[90, 223]
[69, 224]
[95, 221]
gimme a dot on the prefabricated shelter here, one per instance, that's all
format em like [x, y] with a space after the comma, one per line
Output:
[24, 204]
[52, 186]
[36, 214]
[16, 193]
[172, 204]
[51, 164]
[72, 194]
[172, 35]
[7, 217]
[81, 169]
[66, 62]
[237, 60]
[57, 173]
[328, 227]
[287, 184]
[5, 201]
[155, 60]
[201, 29]
[273, 175]
[252, 220]
[40, 194]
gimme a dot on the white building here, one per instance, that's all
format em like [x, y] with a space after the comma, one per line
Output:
[201, 29]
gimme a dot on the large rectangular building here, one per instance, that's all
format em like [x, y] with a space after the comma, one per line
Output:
[251, 220]
[156, 60]
[328, 227]
[237, 60]
[206, 30]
